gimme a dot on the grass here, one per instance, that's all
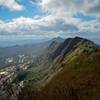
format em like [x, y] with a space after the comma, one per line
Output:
[79, 78]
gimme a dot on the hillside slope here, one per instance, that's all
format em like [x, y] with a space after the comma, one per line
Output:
[31, 50]
[76, 75]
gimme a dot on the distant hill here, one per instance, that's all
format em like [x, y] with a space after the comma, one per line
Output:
[34, 49]
[58, 39]
[27, 48]
[66, 71]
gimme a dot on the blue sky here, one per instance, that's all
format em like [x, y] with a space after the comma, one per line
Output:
[83, 17]
[49, 18]
[32, 9]
[29, 10]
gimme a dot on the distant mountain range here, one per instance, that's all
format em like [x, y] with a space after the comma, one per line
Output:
[21, 42]
[27, 48]
[68, 70]
[34, 49]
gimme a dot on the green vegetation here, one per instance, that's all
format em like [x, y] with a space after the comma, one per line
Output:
[73, 75]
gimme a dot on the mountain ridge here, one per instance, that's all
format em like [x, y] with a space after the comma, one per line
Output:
[62, 76]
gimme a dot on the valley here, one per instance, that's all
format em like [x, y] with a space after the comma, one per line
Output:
[65, 70]
[49, 49]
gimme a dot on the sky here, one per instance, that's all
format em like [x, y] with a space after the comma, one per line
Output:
[49, 18]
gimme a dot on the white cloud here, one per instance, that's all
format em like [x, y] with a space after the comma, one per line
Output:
[11, 5]
[70, 6]
[58, 21]
[48, 25]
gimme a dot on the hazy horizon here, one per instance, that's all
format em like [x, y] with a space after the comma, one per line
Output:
[8, 42]
[42, 19]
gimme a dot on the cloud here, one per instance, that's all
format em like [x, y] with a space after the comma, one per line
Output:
[48, 25]
[70, 6]
[95, 8]
[59, 20]
[32, 26]
[12, 5]
[59, 26]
